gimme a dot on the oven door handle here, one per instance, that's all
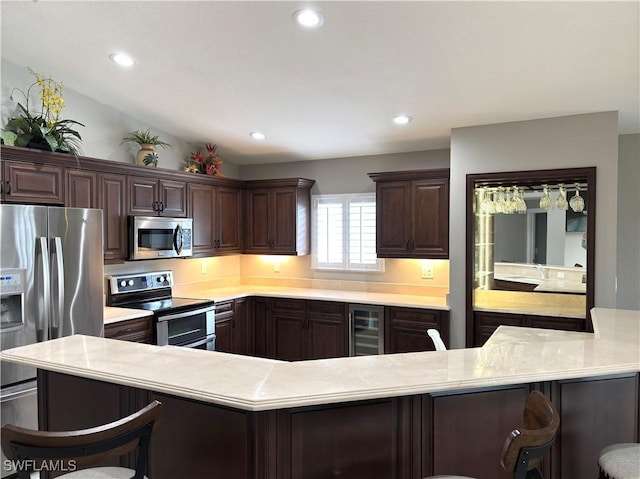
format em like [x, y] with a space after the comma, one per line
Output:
[186, 314]
[178, 234]
[207, 340]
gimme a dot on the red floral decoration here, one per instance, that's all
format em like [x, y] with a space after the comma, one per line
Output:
[207, 163]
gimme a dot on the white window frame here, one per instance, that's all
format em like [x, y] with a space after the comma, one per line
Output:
[345, 200]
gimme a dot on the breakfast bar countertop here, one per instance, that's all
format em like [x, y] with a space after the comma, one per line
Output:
[513, 355]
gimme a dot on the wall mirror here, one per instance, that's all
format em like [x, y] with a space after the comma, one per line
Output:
[531, 233]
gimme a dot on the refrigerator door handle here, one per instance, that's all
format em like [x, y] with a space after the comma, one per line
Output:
[57, 275]
[42, 289]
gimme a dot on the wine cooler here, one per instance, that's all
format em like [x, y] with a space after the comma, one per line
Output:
[366, 332]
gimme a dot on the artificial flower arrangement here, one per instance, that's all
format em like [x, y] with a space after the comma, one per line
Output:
[43, 130]
[207, 163]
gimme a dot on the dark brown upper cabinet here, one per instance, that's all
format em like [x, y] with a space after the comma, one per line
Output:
[33, 183]
[216, 213]
[151, 197]
[412, 219]
[277, 216]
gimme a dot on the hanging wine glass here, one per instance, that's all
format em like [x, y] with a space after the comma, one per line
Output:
[513, 203]
[501, 204]
[576, 202]
[561, 201]
[486, 205]
[545, 202]
[522, 204]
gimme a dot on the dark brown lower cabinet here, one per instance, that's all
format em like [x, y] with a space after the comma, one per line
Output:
[406, 329]
[406, 437]
[468, 431]
[486, 322]
[594, 413]
[356, 440]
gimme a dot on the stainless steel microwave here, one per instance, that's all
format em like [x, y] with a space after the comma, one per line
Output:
[157, 237]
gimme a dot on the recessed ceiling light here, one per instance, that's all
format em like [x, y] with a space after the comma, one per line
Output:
[308, 18]
[257, 135]
[401, 119]
[122, 59]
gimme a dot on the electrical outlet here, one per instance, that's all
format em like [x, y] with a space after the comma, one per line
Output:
[560, 274]
[203, 267]
[427, 272]
[276, 266]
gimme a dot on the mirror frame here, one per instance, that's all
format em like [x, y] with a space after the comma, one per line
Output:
[568, 176]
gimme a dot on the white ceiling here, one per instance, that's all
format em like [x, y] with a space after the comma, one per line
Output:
[214, 71]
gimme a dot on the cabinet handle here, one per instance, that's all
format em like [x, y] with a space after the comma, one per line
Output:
[155, 206]
[8, 187]
[233, 323]
[161, 206]
[408, 244]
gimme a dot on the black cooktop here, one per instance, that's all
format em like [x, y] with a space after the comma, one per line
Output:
[173, 304]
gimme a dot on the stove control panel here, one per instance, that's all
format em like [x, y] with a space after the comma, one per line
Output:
[129, 283]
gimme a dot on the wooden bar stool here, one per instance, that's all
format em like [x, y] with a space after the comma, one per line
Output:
[620, 461]
[76, 450]
[524, 448]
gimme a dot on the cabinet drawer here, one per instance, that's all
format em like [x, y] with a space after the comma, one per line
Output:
[326, 307]
[288, 305]
[139, 330]
[428, 317]
[224, 307]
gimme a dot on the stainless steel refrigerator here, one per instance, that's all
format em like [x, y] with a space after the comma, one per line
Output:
[51, 285]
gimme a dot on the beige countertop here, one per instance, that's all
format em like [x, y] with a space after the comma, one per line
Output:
[512, 355]
[112, 314]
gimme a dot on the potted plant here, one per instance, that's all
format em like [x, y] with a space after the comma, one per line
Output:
[44, 130]
[148, 142]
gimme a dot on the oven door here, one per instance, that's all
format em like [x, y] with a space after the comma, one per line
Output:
[193, 328]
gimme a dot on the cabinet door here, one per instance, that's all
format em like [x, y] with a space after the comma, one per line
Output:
[225, 333]
[430, 203]
[173, 198]
[257, 221]
[143, 194]
[326, 338]
[393, 225]
[283, 221]
[112, 199]
[201, 207]
[81, 189]
[228, 214]
[327, 330]
[486, 322]
[406, 329]
[288, 337]
[31, 183]
[243, 328]
[258, 311]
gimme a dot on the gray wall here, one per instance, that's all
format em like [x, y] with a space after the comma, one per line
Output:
[628, 222]
[347, 175]
[563, 142]
[104, 126]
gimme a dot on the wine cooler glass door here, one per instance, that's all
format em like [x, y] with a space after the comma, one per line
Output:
[367, 329]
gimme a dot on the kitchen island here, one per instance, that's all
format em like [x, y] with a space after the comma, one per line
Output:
[393, 416]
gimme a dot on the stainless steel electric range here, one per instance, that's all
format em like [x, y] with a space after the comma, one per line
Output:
[178, 321]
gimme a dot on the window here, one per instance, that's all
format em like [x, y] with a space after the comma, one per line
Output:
[344, 232]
